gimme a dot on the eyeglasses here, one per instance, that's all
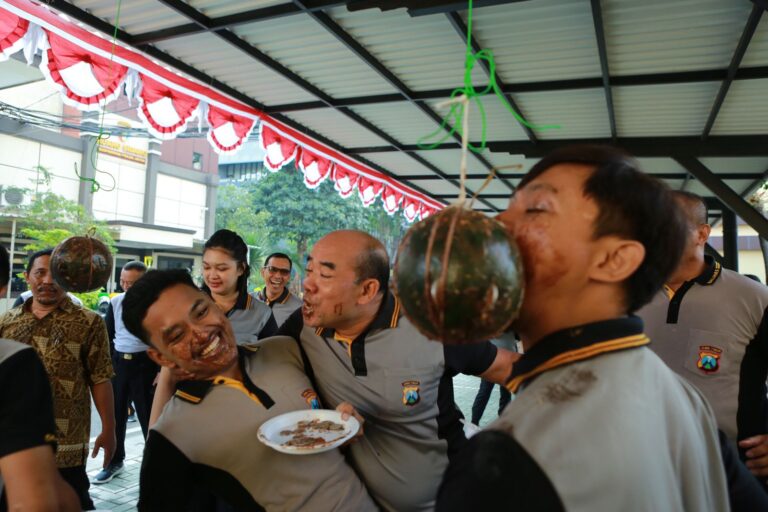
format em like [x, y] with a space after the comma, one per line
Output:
[278, 270]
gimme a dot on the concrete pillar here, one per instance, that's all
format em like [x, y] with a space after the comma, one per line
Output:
[150, 184]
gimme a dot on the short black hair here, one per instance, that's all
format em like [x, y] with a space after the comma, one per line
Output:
[373, 262]
[236, 247]
[694, 207]
[279, 255]
[135, 265]
[35, 255]
[5, 267]
[144, 292]
[632, 205]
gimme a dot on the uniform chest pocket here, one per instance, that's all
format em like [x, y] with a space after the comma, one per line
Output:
[412, 389]
[709, 354]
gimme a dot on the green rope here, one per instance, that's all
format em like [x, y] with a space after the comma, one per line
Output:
[451, 123]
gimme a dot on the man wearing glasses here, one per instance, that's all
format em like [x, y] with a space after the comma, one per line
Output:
[277, 274]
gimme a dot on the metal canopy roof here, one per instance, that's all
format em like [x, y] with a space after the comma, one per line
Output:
[683, 84]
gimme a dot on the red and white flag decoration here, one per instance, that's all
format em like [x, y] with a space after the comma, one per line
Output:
[12, 31]
[87, 80]
[227, 131]
[165, 111]
[411, 209]
[391, 197]
[316, 169]
[280, 150]
[368, 190]
[344, 180]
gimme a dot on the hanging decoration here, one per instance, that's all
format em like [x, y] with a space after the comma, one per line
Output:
[166, 112]
[93, 69]
[315, 168]
[12, 31]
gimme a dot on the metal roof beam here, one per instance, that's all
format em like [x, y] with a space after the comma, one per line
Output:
[231, 20]
[355, 47]
[458, 24]
[720, 145]
[597, 19]
[708, 75]
[738, 54]
[730, 198]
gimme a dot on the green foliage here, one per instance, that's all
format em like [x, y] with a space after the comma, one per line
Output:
[277, 212]
[51, 219]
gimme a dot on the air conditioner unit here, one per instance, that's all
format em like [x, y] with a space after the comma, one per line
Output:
[13, 196]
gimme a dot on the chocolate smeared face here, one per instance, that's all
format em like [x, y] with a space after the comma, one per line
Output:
[81, 264]
[189, 332]
[459, 276]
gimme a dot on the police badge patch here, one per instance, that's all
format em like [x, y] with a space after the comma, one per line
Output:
[411, 392]
[709, 359]
[311, 398]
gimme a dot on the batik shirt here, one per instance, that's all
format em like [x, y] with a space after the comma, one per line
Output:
[72, 343]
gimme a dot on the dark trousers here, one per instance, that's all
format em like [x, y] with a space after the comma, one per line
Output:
[132, 383]
[78, 479]
[482, 397]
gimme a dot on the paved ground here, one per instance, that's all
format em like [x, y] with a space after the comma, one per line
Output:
[122, 492]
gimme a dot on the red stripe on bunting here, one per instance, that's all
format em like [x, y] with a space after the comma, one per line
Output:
[12, 30]
[165, 111]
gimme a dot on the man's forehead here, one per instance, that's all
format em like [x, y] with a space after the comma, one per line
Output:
[278, 260]
[41, 262]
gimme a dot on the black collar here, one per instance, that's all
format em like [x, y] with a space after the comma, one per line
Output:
[280, 300]
[387, 317]
[194, 391]
[576, 344]
[712, 270]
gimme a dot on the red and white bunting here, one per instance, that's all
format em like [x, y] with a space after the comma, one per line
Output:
[227, 131]
[344, 180]
[391, 197]
[91, 70]
[12, 31]
[368, 190]
[279, 150]
[166, 112]
[315, 168]
[87, 81]
[411, 209]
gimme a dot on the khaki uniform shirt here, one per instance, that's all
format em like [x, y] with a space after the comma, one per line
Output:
[72, 343]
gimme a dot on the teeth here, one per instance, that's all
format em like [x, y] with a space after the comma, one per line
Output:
[211, 347]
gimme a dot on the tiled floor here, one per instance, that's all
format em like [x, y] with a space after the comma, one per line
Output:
[122, 492]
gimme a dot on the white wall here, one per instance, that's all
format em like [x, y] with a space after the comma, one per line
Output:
[180, 204]
[19, 161]
[122, 194]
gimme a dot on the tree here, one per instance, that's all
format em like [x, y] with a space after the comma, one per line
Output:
[51, 219]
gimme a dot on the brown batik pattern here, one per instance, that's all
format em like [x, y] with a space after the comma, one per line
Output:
[73, 345]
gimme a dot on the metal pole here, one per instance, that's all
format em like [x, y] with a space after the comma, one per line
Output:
[13, 247]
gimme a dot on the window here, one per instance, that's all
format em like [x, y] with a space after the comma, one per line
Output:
[197, 161]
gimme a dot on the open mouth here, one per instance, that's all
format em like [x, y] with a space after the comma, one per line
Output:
[307, 309]
[215, 344]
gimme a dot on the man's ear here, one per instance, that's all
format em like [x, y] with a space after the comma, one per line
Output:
[702, 233]
[159, 358]
[616, 260]
[370, 289]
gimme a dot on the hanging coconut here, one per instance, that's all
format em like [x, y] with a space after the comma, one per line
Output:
[81, 264]
[459, 276]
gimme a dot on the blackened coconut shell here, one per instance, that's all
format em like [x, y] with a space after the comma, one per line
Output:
[477, 294]
[81, 264]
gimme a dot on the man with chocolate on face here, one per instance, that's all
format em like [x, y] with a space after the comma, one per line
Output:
[599, 422]
[205, 439]
[363, 351]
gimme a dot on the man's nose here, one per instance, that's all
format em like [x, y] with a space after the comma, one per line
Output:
[47, 278]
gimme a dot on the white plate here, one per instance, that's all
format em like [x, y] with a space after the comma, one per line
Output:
[270, 431]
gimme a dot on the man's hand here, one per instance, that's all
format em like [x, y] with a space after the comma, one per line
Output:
[107, 442]
[347, 409]
[757, 454]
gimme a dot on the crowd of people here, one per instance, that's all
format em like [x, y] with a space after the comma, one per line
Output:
[641, 384]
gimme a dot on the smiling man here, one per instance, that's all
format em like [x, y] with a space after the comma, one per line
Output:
[277, 274]
[72, 343]
[206, 437]
[363, 351]
[599, 422]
